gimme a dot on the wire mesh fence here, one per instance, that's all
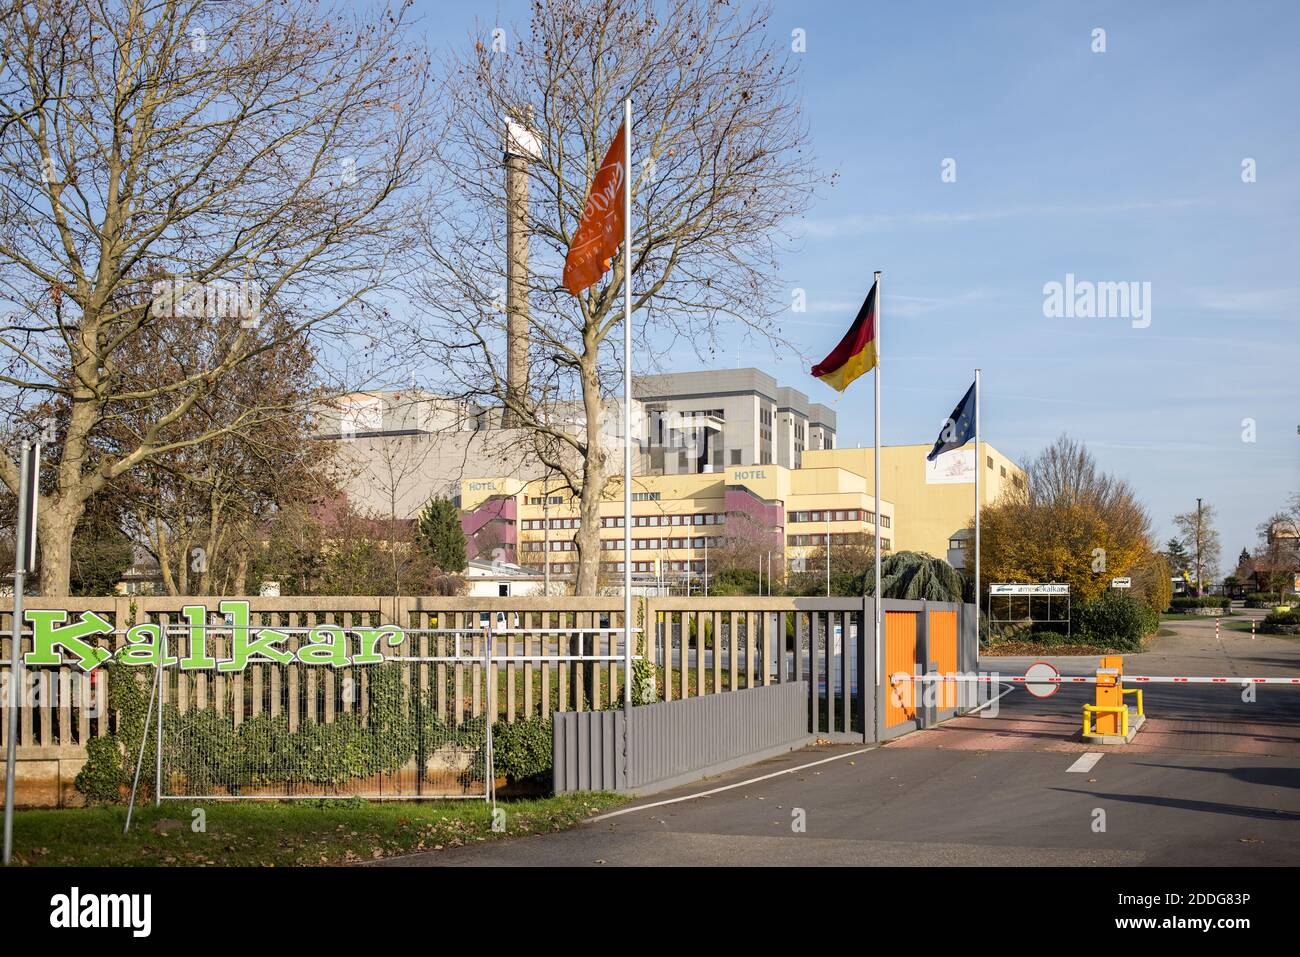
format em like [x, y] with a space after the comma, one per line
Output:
[296, 730]
[382, 739]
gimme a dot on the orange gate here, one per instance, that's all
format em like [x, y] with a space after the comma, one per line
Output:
[943, 652]
[900, 655]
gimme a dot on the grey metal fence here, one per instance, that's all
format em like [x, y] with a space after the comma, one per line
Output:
[673, 742]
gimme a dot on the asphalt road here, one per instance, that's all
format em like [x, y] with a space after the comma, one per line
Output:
[1211, 780]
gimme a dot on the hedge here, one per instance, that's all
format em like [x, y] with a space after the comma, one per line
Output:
[1205, 601]
[1282, 623]
[1118, 620]
[211, 752]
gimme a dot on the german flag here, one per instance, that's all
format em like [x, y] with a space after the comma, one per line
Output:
[856, 353]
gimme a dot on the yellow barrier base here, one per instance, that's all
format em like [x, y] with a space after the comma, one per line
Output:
[1134, 722]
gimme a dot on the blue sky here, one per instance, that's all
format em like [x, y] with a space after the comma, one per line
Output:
[1117, 166]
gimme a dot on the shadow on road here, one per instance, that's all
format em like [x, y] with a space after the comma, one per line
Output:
[1184, 804]
[1269, 777]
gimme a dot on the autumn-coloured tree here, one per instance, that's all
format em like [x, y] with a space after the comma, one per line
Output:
[1277, 556]
[1070, 523]
[201, 508]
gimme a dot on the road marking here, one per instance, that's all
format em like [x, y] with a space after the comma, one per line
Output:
[728, 787]
[1010, 688]
[1085, 762]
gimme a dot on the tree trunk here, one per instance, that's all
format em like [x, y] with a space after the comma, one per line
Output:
[593, 475]
[588, 537]
[241, 575]
[54, 526]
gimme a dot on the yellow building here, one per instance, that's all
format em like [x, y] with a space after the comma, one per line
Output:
[934, 501]
[788, 512]
[677, 518]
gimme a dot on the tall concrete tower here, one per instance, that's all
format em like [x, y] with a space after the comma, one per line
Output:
[521, 147]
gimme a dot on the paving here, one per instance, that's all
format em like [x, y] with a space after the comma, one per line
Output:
[1211, 780]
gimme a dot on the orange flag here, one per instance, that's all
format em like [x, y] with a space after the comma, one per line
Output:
[600, 229]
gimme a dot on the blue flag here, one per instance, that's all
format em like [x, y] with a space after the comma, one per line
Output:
[959, 429]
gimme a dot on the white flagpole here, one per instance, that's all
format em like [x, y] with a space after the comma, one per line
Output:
[879, 597]
[627, 407]
[979, 468]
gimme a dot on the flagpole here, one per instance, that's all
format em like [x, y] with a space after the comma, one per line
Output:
[627, 408]
[879, 595]
[979, 468]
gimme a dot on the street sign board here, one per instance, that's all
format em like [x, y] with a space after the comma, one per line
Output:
[1121, 583]
[31, 491]
[1015, 588]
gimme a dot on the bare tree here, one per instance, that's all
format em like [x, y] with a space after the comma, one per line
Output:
[720, 165]
[251, 152]
[1201, 539]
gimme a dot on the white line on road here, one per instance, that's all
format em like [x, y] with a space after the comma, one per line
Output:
[1010, 688]
[728, 787]
[1085, 762]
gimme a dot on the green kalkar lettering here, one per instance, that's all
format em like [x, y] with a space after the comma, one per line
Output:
[45, 636]
[328, 646]
[242, 648]
[198, 659]
[368, 638]
[144, 646]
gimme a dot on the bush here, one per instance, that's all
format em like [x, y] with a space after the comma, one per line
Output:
[1117, 620]
[522, 751]
[100, 778]
[1206, 601]
[1282, 623]
[1262, 599]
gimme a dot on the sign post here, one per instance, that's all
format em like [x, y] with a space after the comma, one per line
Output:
[29, 485]
[1121, 583]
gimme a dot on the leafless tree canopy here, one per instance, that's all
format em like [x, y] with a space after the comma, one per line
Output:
[272, 147]
[720, 165]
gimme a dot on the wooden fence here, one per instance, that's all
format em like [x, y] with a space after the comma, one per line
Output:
[556, 654]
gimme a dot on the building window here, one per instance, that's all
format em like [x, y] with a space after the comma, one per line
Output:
[1004, 470]
[990, 461]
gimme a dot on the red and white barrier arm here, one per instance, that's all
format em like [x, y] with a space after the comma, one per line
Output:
[1092, 679]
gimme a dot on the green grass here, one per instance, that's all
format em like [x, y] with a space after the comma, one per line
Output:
[1185, 616]
[1239, 625]
[280, 834]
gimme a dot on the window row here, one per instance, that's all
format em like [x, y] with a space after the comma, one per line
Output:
[615, 544]
[837, 515]
[652, 521]
[544, 500]
[556, 545]
[846, 538]
[540, 523]
[837, 538]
